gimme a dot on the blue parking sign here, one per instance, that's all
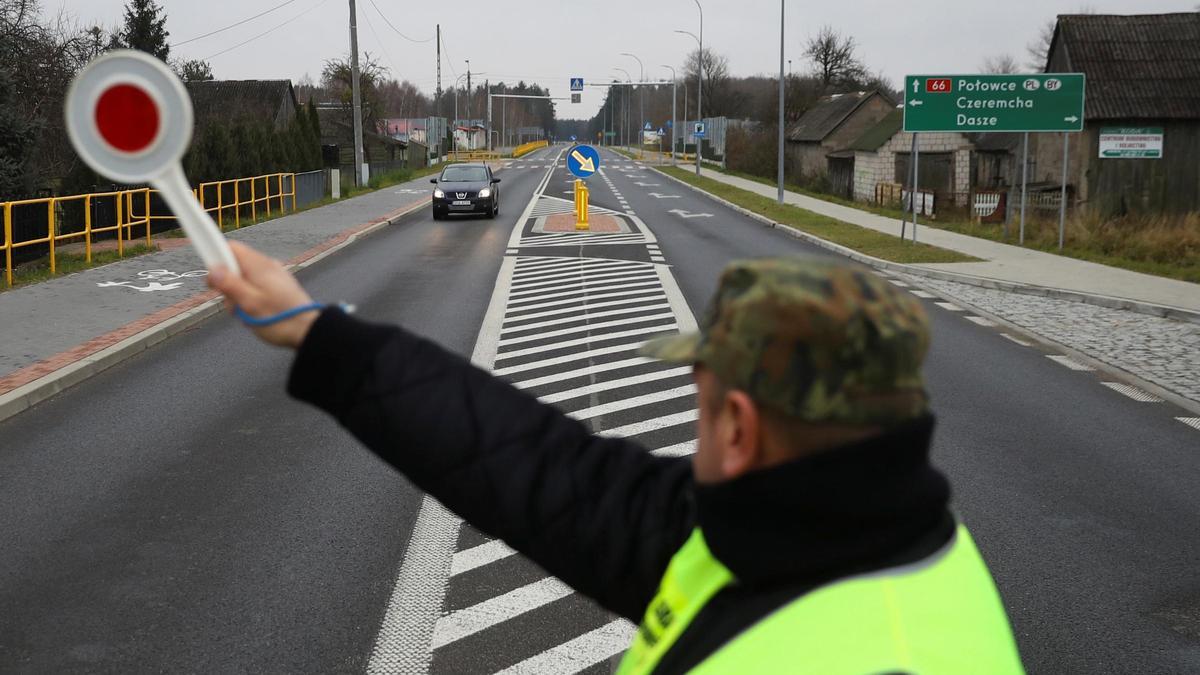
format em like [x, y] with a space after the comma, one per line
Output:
[583, 161]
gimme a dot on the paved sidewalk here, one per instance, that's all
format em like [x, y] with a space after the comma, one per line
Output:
[1002, 262]
[53, 324]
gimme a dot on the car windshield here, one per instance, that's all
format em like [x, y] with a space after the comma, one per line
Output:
[462, 174]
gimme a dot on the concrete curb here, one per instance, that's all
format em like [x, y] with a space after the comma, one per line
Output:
[1111, 302]
[30, 394]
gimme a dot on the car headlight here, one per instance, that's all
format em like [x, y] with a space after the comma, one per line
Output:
[485, 192]
[437, 192]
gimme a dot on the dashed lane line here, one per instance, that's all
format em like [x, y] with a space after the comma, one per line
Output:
[1132, 392]
[1068, 362]
[980, 321]
[1012, 338]
[949, 306]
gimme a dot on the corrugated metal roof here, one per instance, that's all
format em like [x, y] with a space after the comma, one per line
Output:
[823, 118]
[1144, 66]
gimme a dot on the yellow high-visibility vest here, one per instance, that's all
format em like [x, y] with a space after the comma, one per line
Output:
[940, 615]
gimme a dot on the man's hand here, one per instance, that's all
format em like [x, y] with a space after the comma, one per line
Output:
[265, 288]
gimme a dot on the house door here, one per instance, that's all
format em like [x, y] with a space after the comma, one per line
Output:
[936, 174]
[841, 176]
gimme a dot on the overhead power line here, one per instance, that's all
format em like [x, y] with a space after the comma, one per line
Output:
[389, 23]
[266, 32]
[234, 25]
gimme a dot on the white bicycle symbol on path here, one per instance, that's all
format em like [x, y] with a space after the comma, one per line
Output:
[155, 279]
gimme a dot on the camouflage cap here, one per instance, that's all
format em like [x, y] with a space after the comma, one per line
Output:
[817, 341]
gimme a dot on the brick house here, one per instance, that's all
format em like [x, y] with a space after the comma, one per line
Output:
[830, 126]
[883, 154]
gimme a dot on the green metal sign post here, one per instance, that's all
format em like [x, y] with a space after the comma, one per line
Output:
[1044, 102]
[1049, 102]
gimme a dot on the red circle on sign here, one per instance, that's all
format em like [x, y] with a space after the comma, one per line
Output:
[127, 118]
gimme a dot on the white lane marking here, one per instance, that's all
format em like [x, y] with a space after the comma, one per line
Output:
[677, 450]
[688, 215]
[634, 402]
[582, 316]
[572, 273]
[657, 195]
[578, 654]
[588, 328]
[598, 387]
[653, 424]
[1068, 362]
[581, 309]
[580, 372]
[625, 347]
[949, 306]
[470, 620]
[1193, 422]
[642, 333]
[575, 264]
[897, 282]
[510, 251]
[403, 644]
[478, 556]
[979, 320]
[641, 184]
[922, 294]
[1132, 392]
[584, 291]
[579, 303]
[657, 259]
[587, 285]
[1016, 340]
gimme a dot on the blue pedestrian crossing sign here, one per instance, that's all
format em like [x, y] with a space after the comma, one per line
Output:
[647, 127]
[573, 139]
[583, 161]
[661, 131]
[576, 84]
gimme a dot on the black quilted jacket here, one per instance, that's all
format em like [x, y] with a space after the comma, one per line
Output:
[603, 514]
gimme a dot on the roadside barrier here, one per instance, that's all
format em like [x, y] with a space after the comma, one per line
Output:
[51, 221]
[473, 156]
[526, 148]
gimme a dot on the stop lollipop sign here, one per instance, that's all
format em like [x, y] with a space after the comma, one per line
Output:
[130, 118]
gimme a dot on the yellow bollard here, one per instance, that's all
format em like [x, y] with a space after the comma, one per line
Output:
[581, 218]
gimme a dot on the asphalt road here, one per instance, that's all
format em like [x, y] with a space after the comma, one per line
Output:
[178, 512]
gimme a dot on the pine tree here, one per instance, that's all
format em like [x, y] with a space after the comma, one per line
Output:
[17, 137]
[314, 130]
[145, 28]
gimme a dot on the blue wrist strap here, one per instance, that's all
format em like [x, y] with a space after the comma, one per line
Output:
[286, 314]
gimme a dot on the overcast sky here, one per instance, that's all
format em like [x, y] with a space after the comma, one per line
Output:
[549, 41]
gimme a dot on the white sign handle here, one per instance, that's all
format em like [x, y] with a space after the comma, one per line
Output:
[197, 224]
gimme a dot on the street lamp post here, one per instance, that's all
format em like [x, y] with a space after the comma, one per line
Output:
[625, 127]
[779, 168]
[673, 124]
[641, 102]
[700, 81]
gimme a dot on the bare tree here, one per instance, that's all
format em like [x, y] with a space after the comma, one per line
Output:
[1039, 49]
[717, 100]
[834, 61]
[1000, 64]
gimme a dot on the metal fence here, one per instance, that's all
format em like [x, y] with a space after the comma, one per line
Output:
[310, 187]
[35, 228]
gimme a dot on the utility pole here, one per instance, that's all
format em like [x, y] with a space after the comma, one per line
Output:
[469, 92]
[674, 125]
[779, 168]
[487, 87]
[438, 99]
[356, 98]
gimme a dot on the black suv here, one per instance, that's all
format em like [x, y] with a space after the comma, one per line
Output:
[466, 188]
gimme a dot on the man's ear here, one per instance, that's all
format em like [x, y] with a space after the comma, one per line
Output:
[740, 433]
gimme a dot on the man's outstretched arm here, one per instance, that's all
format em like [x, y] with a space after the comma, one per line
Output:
[600, 513]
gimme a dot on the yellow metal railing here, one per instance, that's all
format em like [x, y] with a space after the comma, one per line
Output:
[134, 209]
[526, 148]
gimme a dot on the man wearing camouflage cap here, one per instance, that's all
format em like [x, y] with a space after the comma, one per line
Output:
[809, 533]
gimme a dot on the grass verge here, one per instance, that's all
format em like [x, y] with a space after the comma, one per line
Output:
[1165, 246]
[68, 263]
[854, 237]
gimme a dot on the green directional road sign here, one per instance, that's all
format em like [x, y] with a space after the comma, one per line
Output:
[1044, 102]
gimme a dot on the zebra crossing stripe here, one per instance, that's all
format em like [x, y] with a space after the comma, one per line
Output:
[464, 622]
[569, 273]
[584, 316]
[633, 402]
[586, 292]
[598, 387]
[677, 450]
[653, 424]
[592, 283]
[588, 307]
[579, 653]
[587, 281]
[581, 372]
[665, 316]
[629, 347]
[633, 296]
[478, 556]
[641, 334]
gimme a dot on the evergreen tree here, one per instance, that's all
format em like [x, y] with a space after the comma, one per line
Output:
[145, 28]
[17, 138]
[314, 130]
